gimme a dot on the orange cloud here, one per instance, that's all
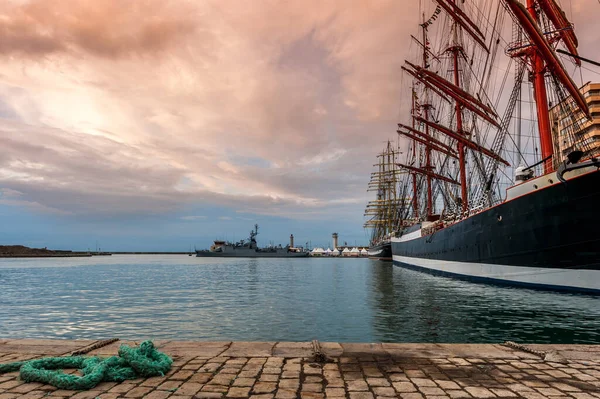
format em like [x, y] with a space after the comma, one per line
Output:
[107, 28]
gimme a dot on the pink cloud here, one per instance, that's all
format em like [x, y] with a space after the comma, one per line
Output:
[124, 106]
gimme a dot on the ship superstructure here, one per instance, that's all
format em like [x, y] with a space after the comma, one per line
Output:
[488, 202]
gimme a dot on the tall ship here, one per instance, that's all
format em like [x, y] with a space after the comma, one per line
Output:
[384, 211]
[504, 173]
[249, 249]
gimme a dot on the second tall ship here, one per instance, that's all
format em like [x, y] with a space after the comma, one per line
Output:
[387, 208]
[489, 202]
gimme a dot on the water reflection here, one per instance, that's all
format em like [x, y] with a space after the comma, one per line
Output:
[412, 306]
[171, 297]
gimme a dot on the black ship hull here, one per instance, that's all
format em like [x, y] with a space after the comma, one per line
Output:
[381, 251]
[548, 238]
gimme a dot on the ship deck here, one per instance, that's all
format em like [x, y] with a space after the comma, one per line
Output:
[286, 370]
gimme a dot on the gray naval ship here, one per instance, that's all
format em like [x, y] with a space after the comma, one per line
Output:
[249, 249]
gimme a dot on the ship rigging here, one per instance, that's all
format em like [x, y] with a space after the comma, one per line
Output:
[486, 204]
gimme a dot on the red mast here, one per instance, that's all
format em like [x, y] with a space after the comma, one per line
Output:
[543, 59]
[459, 129]
[541, 100]
[426, 107]
[414, 154]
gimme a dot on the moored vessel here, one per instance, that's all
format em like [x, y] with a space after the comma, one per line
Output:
[513, 211]
[249, 249]
[387, 208]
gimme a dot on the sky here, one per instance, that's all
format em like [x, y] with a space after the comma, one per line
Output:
[160, 125]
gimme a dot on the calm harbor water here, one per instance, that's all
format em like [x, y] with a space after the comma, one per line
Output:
[352, 300]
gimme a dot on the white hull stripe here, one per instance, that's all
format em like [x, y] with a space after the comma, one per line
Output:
[562, 279]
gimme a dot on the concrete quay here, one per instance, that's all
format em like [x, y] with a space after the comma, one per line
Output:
[287, 370]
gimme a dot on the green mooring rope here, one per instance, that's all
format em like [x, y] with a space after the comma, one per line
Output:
[144, 361]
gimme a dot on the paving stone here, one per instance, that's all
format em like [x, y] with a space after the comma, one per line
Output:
[402, 387]
[122, 388]
[238, 392]
[156, 395]
[215, 388]
[264, 387]
[189, 388]
[431, 391]
[182, 375]
[244, 382]
[335, 392]
[208, 395]
[311, 395]
[237, 360]
[249, 373]
[444, 384]
[271, 370]
[25, 388]
[378, 382]
[290, 374]
[504, 393]
[458, 394]
[229, 370]
[312, 387]
[361, 395]
[269, 378]
[548, 391]
[86, 395]
[138, 392]
[411, 395]
[62, 393]
[384, 391]
[289, 384]
[222, 379]
[285, 394]
[480, 392]
[357, 385]
[398, 377]
[313, 379]
[165, 386]
[336, 383]
[201, 378]
[353, 375]
[10, 384]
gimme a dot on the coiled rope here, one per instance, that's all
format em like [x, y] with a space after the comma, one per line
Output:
[143, 361]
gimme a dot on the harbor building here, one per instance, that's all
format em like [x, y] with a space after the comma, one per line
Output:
[570, 127]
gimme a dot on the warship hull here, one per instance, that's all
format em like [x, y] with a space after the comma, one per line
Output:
[548, 238]
[250, 254]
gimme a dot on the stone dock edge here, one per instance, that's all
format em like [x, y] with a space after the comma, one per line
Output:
[287, 370]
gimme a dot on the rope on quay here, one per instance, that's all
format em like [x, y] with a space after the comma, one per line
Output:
[97, 345]
[524, 348]
[546, 356]
[144, 361]
[318, 355]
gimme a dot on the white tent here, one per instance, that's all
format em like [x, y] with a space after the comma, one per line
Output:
[364, 252]
[355, 252]
[346, 252]
[335, 252]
